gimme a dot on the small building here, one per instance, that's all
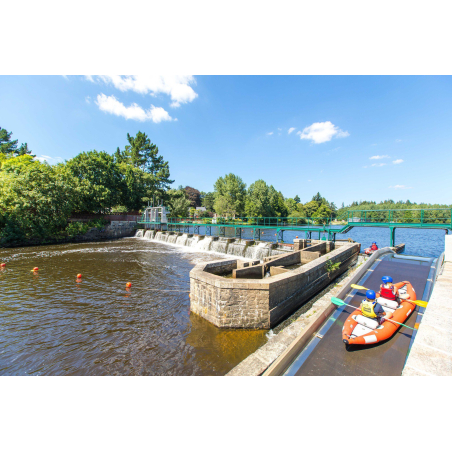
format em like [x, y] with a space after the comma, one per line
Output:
[157, 214]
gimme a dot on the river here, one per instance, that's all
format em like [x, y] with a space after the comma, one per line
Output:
[51, 324]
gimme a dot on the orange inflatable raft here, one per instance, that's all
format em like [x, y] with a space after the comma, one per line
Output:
[360, 330]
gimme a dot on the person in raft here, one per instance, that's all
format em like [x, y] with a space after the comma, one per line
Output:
[371, 309]
[388, 290]
[374, 246]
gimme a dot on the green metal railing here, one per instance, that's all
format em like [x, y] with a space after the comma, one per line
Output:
[265, 222]
[394, 217]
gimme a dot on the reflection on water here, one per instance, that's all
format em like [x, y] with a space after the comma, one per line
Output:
[50, 324]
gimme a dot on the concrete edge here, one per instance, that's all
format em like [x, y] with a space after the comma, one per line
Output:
[274, 364]
[287, 357]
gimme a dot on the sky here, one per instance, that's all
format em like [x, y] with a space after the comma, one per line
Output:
[350, 138]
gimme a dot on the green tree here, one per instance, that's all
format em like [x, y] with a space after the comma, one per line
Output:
[230, 193]
[9, 147]
[264, 201]
[297, 199]
[208, 200]
[96, 182]
[178, 203]
[143, 154]
[35, 201]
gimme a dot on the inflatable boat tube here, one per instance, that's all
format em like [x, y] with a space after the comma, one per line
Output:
[360, 330]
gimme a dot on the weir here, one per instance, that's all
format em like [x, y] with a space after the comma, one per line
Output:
[311, 226]
[248, 249]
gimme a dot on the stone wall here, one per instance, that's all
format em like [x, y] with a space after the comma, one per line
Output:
[114, 230]
[261, 303]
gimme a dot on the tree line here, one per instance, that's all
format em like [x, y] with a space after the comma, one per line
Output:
[37, 199]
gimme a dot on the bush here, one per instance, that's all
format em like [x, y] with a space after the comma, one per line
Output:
[79, 227]
[330, 267]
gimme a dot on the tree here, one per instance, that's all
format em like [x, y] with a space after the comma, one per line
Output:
[35, 201]
[208, 200]
[230, 193]
[194, 196]
[96, 181]
[297, 199]
[178, 203]
[143, 154]
[264, 201]
[9, 147]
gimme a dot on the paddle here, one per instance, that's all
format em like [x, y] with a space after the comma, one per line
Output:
[422, 304]
[339, 302]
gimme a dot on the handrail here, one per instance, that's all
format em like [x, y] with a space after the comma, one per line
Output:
[422, 217]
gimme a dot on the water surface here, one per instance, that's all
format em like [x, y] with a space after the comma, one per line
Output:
[50, 324]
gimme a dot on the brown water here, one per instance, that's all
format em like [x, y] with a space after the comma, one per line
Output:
[50, 324]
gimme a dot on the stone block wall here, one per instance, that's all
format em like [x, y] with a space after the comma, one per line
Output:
[261, 303]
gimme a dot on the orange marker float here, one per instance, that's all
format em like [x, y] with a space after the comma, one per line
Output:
[3, 264]
[79, 276]
[129, 284]
[35, 269]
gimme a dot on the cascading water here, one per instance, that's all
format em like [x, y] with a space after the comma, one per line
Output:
[258, 251]
[182, 240]
[172, 239]
[220, 246]
[204, 244]
[237, 247]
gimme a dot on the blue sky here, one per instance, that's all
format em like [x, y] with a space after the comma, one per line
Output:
[353, 138]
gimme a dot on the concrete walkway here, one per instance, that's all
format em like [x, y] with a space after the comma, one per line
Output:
[431, 353]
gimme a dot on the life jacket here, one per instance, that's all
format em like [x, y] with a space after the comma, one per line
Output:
[367, 308]
[374, 247]
[390, 293]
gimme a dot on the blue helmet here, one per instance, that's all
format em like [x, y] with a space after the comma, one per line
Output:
[374, 243]
[387, 279]
[370, 294]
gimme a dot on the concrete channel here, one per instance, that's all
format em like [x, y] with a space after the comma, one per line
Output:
[317, 349]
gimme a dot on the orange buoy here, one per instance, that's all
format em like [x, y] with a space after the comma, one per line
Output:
[296, 236]
[35, 269]
[79, 276]
[129, 284]
[3, 264]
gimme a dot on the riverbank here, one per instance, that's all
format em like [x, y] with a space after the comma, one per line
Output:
[113, 230]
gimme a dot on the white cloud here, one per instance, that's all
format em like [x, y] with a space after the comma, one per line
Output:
[279, 129]
[291, 130]
[110, 104]
[378, 157]
[65, 76]
[269, 133]
[398, 140]
[400, 187]
[88, 99]
[378, 164]
[48, 159]
[320, 132]
[396, 162]
[177, 86]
